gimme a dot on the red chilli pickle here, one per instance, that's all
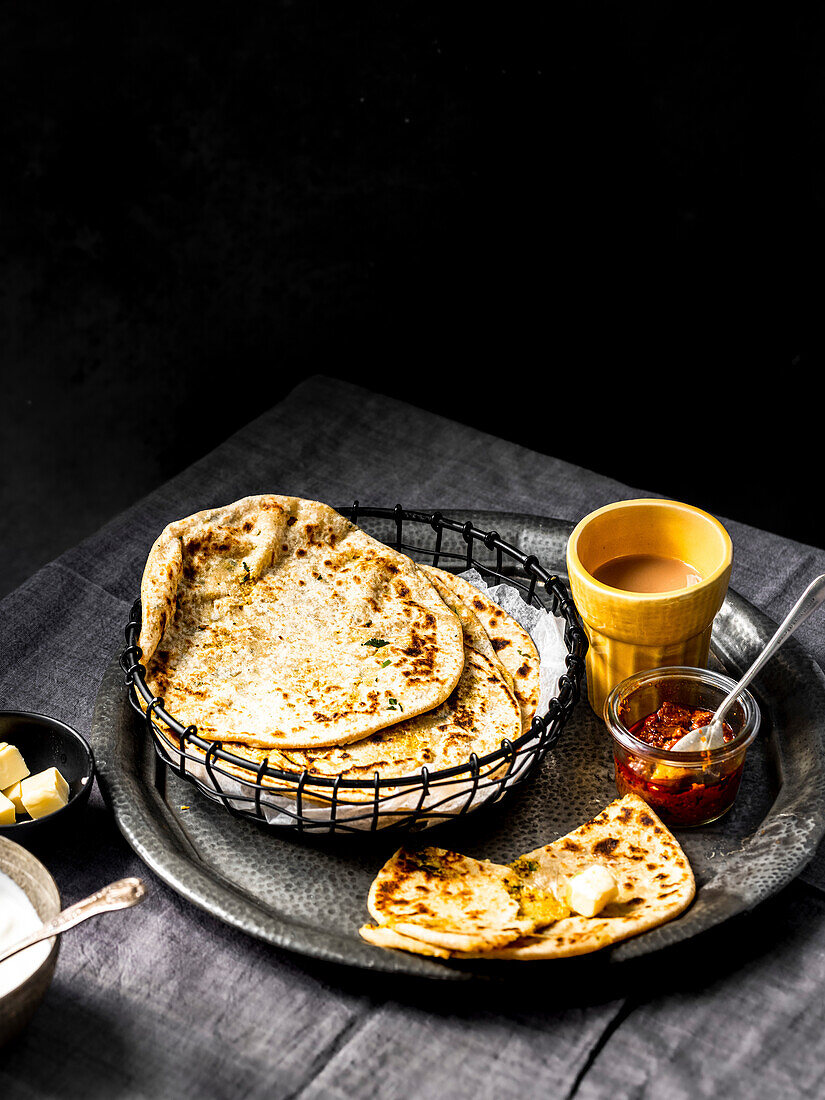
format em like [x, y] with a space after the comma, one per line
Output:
[684, 789]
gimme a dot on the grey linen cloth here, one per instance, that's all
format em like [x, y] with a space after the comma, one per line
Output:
[168, 1001]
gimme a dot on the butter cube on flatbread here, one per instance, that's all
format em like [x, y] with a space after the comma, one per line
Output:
[591, 889]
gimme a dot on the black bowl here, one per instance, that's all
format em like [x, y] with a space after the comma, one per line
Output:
[49, 743]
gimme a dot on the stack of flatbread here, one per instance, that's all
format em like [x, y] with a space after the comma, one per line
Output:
[440, 903]
[282, 630]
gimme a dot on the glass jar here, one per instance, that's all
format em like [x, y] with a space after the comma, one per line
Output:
[683, 788]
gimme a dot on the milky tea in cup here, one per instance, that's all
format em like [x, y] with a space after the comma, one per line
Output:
[647, 577]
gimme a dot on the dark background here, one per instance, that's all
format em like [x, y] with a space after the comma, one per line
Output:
[611, 218]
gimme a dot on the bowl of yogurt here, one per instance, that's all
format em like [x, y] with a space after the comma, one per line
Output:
[28, 897]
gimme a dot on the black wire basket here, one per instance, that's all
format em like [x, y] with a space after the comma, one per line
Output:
[325, 804]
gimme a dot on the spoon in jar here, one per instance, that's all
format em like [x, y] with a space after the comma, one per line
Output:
[711, 735]
[117, 895]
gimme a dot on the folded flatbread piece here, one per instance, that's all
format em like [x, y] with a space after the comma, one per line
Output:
[655, 884]
[652, 873]
[446, 900]
[276, 622]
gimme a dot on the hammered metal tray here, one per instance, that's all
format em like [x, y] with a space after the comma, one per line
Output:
[307, 894]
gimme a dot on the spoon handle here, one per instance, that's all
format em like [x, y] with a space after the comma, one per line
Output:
[805, 606]
[117, 895]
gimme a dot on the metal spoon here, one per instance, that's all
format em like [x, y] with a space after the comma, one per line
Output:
[118, 895]
[711, 735]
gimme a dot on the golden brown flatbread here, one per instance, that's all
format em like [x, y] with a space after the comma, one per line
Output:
[475, 718]
[512, 644]
[653, 876]
[383, 935]
[446, 900]
[277, 623]
[652, 873]
[475, 636]
[477, 715]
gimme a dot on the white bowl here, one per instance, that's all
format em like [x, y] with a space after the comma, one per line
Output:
[19, 1004]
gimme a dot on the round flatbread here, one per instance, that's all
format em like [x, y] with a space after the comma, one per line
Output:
[277, 623]
[477, 716]
[513, 646]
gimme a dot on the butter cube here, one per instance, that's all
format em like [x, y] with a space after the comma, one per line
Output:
[7, 811]
[591, 889]
[44, 793]
[12, 765]
[13, 795]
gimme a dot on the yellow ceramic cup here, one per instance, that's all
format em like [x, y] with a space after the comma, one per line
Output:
[629, 632]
